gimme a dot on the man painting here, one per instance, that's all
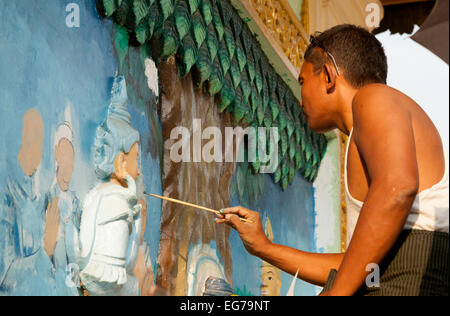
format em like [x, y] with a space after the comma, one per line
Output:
[396, 176]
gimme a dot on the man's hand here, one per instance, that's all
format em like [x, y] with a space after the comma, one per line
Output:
[252, 234]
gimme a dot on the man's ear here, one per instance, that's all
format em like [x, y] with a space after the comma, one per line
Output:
[330, 77]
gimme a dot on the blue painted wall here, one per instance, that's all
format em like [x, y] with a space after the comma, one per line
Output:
[43, 65]
[292, 217]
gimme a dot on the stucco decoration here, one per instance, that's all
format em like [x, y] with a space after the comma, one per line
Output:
[106, 247]
[209, 40]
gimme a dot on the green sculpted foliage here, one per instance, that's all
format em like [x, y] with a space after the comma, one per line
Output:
[211, 42]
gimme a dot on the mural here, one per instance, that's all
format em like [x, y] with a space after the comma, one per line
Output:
[54, 98]
[87, 112]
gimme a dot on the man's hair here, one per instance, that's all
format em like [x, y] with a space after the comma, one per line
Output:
[359, 56]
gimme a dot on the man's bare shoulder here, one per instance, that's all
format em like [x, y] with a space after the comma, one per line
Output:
[374, 93]
[379, 99]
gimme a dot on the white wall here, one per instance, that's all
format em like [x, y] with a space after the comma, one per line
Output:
[415, 71]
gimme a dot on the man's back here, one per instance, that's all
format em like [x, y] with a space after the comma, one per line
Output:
[427, 141]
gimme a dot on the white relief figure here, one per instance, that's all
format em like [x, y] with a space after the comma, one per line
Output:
[203, 265]
[110, 231]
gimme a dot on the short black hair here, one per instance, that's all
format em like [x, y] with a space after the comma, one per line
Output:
[358, 54]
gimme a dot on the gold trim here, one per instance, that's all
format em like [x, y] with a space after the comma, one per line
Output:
[283, 25]
[305, 15]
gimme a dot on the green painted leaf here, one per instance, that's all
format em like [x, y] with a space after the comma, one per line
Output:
[299, 161]
[216, 79]
[199, 28]
[282, 118]
[251, 67]
[268, 118]
[217, 21]
[142, 33]
[167, 8]
[308, 170]
[277, 175]
[284, 183]
[182, 19]
[281, 90]
[194, 5]
[291, 173]
[256, 165]
[110, 6]
[292, 148]
[227, 94]
[240, 55]
[255, 102]
[249, 116]
[154, 19]
[170, 39]
[223, 57]
[284, 142]
[140, 10]
[189, 54]
[260, 113]
[212, 42]
[246, 87]
[226, 11]
[315, 157]
[239, 108]
[207, 11]
[308, 151]
[203, 66]
[121, 44]
[284, 168]
[290, 126]
[229, 41]
[274, 108]
[235, 73]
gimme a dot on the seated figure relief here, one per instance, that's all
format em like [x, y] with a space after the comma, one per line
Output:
[107, 243]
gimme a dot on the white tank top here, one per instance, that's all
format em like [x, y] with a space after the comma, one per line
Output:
[430, 210]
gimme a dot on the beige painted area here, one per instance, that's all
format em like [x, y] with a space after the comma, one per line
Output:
[324, 14]
[64, 154]
[52, 218]
[30, 152]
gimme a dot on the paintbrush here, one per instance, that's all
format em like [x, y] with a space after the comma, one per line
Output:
[194, 206]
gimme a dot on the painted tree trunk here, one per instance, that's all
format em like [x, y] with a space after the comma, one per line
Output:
[202, 183]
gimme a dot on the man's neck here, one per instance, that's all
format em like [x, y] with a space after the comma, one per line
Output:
[344, 121]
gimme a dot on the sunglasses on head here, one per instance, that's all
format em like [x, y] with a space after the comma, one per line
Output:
[315, 42]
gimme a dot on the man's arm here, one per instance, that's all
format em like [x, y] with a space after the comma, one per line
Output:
[384, 137]
[313, 267]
